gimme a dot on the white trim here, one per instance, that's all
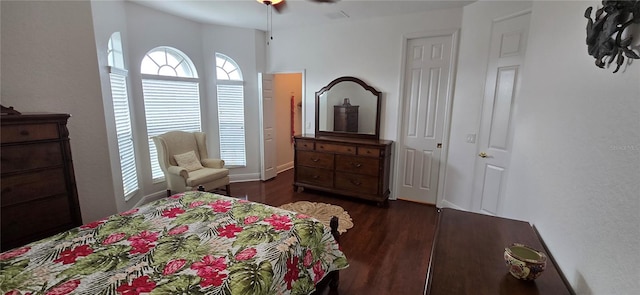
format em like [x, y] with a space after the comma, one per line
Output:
[513, 15]
[150, 198]
[229, 82]
[244, 177]
[119, 71]
[168, 78]
[447, 204]
[284, 167]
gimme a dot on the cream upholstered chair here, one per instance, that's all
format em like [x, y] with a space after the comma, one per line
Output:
[186, 165]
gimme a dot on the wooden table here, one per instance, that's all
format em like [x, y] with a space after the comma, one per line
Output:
[467, 257]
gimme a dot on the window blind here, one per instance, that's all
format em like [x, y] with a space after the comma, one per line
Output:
[231, 124]
[169, 105]
[124, 133]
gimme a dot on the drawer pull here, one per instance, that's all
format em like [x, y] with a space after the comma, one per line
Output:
[357, 165]
[315, 177]
[24, 132]
[315, 159]
[348, 150]
[355, 182]
[322, 147]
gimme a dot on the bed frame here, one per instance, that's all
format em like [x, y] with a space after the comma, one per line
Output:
[334, 277]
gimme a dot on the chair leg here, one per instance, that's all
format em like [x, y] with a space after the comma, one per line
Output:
[168, 193]
[228, 190]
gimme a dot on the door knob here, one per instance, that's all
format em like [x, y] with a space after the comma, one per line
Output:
[482, 155]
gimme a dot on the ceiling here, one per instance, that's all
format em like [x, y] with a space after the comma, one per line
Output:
[251, 14]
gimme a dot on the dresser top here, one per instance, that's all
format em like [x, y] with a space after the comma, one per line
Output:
[467, 257]
[34, 117]
[345, 139]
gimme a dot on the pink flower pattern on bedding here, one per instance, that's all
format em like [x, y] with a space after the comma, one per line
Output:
[190, 243]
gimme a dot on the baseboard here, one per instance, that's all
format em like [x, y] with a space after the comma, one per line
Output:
[256, 176]
[284, 167]
[150, 198]
[244, 177]
[232, 178]
[447, 204]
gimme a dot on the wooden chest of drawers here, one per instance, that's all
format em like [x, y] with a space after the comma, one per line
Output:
[39, 196]
[345, 118]
[351, 167]
[467, 257]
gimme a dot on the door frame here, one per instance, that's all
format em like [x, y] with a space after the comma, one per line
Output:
[476, 195]
[303, 91]
[454, 33]
[303, 117]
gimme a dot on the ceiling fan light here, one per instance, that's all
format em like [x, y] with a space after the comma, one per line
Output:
[270, 2]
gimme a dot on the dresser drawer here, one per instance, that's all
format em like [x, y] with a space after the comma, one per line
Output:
[313, 159]
[29, 132]
[320, 177]
[368, 152]
[360, 165]
[36, 220]
[305, 144]
[31, 156]
[336, 148]
[27, 187]
[357, 183]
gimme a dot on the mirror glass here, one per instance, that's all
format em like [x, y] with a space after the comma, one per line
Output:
[348, 107]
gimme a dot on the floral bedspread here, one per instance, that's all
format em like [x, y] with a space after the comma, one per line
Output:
[190, 243]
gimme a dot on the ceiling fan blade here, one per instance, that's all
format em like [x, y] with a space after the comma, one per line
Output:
[280, 6]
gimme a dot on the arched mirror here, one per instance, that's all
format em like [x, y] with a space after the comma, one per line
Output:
[348, 107]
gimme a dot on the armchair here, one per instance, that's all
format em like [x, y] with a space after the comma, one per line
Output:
[184, 159]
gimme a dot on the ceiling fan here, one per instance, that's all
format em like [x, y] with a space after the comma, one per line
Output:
[280, 5]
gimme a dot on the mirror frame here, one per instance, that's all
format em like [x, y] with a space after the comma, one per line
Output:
[366, 87]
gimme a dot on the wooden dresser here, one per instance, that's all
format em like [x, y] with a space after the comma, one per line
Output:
[467, 257]
[39, 196]
[351, 167]
[345, 118]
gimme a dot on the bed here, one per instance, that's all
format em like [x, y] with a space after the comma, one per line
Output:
[189, 243]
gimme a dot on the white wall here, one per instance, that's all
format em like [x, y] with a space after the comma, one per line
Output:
[147, 29]
[576, 155]
[246, 47]
[144, 29]
[468, 95]
[54, 60]
[368, 49]
[575, 166]
[110, 17]
[576, 160]
[49, 64]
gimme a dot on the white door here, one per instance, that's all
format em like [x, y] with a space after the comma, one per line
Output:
[268, 155]
[506, 60]
[426, 93]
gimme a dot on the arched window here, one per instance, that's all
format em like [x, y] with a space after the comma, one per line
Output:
[230, 88]
[171, 96]
[121, 112]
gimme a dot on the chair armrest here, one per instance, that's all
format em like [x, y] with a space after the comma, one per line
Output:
[177, 170]
[213, 163]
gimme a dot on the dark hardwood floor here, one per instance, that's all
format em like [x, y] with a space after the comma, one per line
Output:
[387, 249]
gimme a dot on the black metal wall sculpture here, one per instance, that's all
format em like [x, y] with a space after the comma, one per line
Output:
[606, 30]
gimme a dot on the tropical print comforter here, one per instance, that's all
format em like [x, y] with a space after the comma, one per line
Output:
[190, 243]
